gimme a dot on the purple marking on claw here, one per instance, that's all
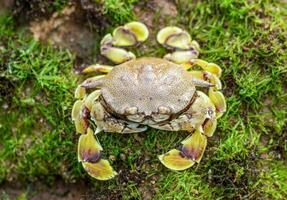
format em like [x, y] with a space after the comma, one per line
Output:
[190, 153]
[90, 156]
[86, 113]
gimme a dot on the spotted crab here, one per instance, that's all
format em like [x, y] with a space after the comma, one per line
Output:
[174, 93]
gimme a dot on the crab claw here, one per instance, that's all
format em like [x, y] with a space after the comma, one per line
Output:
[123, 37]
[191, 151]
[130, 34]
[89, 153]
[139, 29]
[218, 100]
[175, 37]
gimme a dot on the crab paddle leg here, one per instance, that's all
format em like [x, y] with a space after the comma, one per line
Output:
[199, 120]
[89, 149]
[89, 154]
[187, 155]
[113, 45]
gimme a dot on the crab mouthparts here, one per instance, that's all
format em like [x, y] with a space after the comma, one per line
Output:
[148, 120]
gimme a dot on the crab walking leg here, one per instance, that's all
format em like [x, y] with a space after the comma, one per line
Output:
[98, 68]
[81, 111]
[131, 34]
[93, 82]
[89, 149]
[184, 49]
[83, 106]
[214, 93]
[206, 66]
[211, 73]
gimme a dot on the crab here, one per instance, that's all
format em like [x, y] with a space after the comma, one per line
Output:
[176, 93]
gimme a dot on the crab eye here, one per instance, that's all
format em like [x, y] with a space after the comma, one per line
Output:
[131, 110]
[163, 110]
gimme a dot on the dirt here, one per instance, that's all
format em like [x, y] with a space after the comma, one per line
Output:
[39, 191]
[147, 10]
[67, 30]
[5, 5]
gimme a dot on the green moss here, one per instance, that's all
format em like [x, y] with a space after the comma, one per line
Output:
[246, 158]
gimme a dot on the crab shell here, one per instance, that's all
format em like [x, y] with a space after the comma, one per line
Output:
[148, 90]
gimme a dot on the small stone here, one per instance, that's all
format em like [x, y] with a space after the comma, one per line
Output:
[123, 156]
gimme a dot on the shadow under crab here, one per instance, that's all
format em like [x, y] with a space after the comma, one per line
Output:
[148, 92]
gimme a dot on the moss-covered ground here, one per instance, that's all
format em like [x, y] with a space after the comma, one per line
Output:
[245, 159]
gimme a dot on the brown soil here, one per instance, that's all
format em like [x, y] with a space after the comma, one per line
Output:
[40, 191]
[67, 30]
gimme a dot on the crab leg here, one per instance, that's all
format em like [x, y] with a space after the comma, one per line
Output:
[89, 154]
[98, 68]
[89, 149]
[188, 154]
[200, 120]
[186, 54]
[206, 66]
[131, 34]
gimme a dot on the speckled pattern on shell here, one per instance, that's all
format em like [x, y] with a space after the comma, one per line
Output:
[148, 83]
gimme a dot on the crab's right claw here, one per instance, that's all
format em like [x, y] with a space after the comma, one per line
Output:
[89, 154]
[128, 35]
[191, 152]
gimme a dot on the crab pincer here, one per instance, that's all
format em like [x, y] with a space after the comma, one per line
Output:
[131, 34]
[173, 37]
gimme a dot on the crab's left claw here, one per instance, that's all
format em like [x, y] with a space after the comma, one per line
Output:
[177, 39]
[174, 37]
[89, 154]
[191, 151]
